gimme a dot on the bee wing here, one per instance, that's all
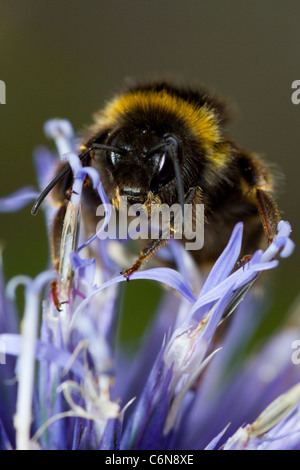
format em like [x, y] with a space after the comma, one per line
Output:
[69, 243]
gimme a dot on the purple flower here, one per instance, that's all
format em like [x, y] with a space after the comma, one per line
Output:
[276, 428]
[184, 389]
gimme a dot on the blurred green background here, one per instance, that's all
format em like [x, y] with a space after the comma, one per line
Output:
[65, 58]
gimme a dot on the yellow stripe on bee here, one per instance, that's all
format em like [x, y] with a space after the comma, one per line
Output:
[200, 120]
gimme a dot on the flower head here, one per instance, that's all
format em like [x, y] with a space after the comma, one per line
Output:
[180, 391]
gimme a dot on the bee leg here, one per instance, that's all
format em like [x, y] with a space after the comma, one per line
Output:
[86, 184]
[145, 255]
[256, 176]
[244, 260]
[269, 216]
[268, 212]
[162, 240]
[55, 295]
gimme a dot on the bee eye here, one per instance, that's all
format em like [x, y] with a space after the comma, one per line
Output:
[164, 172]
[112, 159]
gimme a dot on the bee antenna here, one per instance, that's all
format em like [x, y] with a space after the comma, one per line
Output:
[67, 170]
[47, 190]
[176, 155]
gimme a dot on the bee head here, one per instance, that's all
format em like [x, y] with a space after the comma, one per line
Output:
[144, 164]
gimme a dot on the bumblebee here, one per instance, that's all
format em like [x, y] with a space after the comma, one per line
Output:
[159, 143]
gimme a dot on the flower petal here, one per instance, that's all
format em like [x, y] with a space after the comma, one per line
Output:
[18, 199]
[167, 276]
[226, 261]
[44, 352]
[62, 132]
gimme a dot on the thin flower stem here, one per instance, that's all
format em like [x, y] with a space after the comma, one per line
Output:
[23, 417]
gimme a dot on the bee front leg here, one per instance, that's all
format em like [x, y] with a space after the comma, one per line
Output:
[145, 255]
[164, 236]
